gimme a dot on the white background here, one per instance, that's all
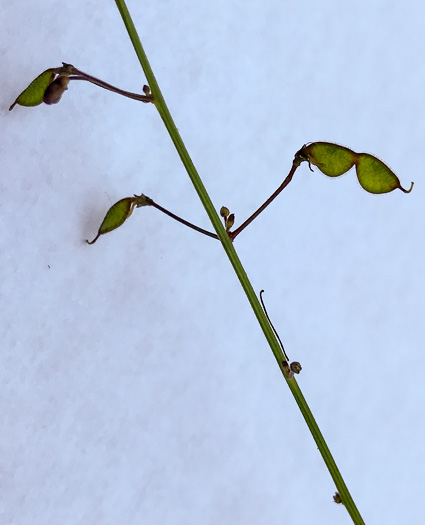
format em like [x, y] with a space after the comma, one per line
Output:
[136, 385]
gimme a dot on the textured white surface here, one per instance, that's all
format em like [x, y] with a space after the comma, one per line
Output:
[136, 384]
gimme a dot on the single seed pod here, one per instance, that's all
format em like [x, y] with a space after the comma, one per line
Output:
[116, 216]
[33, 94]
[55, 90]
[375, 176]
[331, 159]
[119, 213]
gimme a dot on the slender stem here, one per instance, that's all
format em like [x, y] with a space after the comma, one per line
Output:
[79, 75]
[179, 219]
[285, 183]
[237, 266]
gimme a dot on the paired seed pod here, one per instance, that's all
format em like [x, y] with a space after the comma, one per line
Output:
[333, 160]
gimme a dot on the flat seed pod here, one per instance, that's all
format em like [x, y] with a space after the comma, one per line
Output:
[375, 176]
[331, 159]
[34, 93]
[116, 216]
[120, 212]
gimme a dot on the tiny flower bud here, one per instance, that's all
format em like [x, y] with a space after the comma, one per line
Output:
[285, 366]
[337, 497]
[224, 212]
[230, 220]
[295, 367]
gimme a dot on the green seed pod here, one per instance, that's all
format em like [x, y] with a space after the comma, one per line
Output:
[120, 212]
[55, 90]
[376, 177]
[116, 216]
[331, 159]
[34, 93]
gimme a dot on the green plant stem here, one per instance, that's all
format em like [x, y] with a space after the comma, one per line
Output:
[237, 266]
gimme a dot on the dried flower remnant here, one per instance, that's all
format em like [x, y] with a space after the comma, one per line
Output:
[55, 90]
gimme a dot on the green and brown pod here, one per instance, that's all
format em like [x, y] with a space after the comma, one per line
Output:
[119, 213]
[333, 160]
[47, 87]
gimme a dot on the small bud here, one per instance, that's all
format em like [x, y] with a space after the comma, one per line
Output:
[295, 367]
[285, 367]
[230, 221]
[337, 498]
[55, 90]
[146, 90]
[224, 212]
